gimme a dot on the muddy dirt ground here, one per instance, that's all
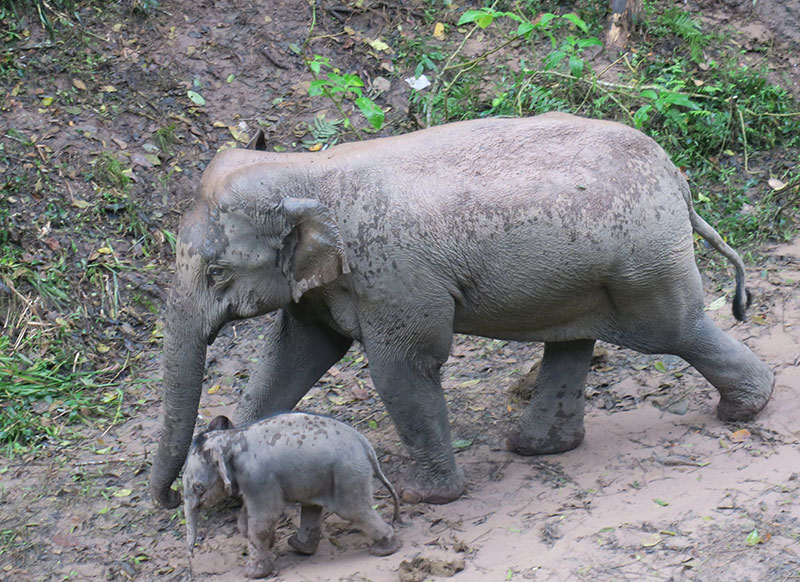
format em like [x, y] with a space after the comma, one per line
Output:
[659, 490]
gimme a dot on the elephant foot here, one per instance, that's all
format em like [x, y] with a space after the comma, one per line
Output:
[260, 568]
[424, 488]
[549, 444]
[385, 546]
[746, 406]
[307, 546]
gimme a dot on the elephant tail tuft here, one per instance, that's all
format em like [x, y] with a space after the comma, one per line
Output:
[741, 297]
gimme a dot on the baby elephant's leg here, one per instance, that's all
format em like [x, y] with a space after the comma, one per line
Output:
[306, 540]
[241, 523]
[369, 521]
[260, 537]
[385, 541]
[353, 501]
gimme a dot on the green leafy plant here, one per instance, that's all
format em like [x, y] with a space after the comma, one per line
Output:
[165, 137]
[324, 133]
[679, 86]
[338, 87]
[687, 28]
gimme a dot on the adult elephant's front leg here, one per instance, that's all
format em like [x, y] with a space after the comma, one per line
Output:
[407, 380]
[553, 421]
[295, 355]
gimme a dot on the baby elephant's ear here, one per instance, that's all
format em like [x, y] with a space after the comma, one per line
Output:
[225, 470]
[220, 423]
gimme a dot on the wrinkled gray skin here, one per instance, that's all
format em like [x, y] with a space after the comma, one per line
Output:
[554, 228]
[295, 457]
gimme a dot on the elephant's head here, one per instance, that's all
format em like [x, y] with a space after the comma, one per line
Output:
[208, 477]
[252, 243]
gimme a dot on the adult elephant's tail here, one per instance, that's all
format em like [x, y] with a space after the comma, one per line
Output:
[741, 297]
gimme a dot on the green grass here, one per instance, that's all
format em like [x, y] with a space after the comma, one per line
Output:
[48, 387]
[42, 396]
[685, 87]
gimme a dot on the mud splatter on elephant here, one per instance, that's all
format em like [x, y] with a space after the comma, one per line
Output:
[553, 228]
[309, 459]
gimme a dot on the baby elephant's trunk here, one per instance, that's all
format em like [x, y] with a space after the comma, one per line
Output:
[190, 512]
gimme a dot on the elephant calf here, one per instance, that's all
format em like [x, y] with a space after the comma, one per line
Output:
[295, 457]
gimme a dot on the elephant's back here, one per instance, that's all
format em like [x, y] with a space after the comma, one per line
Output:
[314, 437]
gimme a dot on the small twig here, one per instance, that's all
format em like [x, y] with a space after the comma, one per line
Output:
[768, 114]
[365, 419]
[436, 81]
[678, 398]
[744, 141]
[25, 300]
[102, 462]
[478, 59]
[628, 64]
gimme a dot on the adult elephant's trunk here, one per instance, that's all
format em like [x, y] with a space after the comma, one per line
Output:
[184, 367]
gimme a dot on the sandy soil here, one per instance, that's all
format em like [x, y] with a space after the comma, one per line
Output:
[659, 490]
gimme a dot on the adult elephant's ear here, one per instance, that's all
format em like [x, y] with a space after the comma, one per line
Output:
[313, 251]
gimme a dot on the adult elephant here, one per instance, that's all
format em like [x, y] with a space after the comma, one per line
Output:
[553, 228]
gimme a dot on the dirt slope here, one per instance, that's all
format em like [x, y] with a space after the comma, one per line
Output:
[660, 490]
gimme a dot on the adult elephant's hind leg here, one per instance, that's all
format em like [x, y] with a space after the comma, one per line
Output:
[744, 382]
[553, 421]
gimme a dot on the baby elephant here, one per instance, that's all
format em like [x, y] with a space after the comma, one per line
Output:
[292, 457]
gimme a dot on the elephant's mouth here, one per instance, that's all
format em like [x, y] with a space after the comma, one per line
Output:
[213, 334]
[214, 329]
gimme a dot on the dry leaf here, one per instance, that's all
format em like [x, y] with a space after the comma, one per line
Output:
[153, 159]
[239, 134]
[740, 435]
[78, 84]
[652, 540]
[776, 184]
[316, 147]
[378, 45]
[438, 31]
[360, 393]
[214, 389]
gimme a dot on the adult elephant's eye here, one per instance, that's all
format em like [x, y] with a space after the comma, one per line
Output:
[215, 273]
[198, 489]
